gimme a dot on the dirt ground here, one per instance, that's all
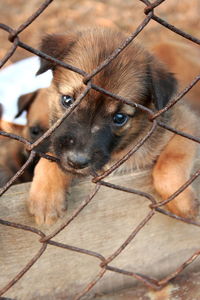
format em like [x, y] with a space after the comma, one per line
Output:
[126, 15]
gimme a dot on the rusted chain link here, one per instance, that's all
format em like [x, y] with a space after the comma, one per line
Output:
[154, 207]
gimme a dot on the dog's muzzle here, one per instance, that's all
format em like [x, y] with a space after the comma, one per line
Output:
[78, 160]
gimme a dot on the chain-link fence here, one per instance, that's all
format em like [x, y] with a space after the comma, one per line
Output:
[155, 207]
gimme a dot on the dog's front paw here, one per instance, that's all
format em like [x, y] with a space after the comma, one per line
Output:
[46, 205]
[185, 204]
[47, 197]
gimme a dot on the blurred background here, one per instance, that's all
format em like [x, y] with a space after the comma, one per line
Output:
[125, 15]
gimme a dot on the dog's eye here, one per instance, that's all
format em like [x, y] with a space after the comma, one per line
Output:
[67, 100]
[35, 130]
[120, 119]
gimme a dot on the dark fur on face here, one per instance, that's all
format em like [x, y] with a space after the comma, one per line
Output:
[79, 147]
[101, 128]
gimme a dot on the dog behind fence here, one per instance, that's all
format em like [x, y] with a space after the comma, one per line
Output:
[47, 239]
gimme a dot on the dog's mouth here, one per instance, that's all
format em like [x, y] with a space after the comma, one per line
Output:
[89, 170]
[86, 171]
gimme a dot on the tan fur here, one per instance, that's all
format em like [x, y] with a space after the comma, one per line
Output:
[168, 155]
[183, 60]
[48, 211]
[11, 127]
[174, 166]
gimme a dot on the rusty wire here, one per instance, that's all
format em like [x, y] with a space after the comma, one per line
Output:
[154, 207]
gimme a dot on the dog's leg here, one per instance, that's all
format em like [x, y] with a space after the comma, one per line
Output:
[171, 171]
[47, 198]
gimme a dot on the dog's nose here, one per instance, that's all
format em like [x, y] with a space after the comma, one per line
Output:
[78, 160]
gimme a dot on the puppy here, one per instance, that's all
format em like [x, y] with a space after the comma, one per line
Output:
[36, 106]
[13, 154]
[101, 130]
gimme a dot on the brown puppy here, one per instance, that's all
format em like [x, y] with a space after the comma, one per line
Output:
[102, 130]
[36, 106]
[13, 154]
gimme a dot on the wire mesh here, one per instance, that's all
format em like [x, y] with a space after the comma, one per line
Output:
[13, 37]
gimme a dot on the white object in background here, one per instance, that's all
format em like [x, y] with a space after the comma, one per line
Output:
[18, 79]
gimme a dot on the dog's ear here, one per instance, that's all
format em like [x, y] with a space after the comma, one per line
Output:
[163, 85]
[24, 102]
[57, 46]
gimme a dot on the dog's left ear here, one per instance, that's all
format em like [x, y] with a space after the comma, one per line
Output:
[24, 102]
[57, 46]
[163, 85]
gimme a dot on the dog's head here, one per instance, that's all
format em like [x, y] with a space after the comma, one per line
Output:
[101, 128]
[36, 106]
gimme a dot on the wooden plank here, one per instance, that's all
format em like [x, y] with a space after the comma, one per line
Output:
[160, 247]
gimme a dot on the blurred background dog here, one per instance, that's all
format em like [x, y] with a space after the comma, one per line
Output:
[12, 153]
